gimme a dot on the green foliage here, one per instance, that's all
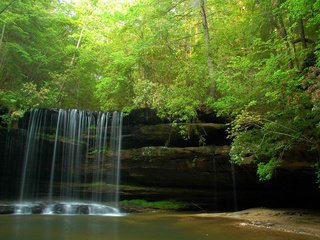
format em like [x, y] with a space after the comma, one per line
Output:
[177, 105]
[102, 150]
[266, 170]
[245, 145]
[163, 205]
[33, 97]
[273, 103]
[145, 93]
[26, 98]
[297, 8]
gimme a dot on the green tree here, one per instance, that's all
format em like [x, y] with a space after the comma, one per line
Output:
[266, 86]
[30, 49]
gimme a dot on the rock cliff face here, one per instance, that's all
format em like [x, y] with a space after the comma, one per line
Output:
[158, 164]
[157, 159]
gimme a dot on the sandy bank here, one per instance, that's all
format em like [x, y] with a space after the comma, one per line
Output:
[287, 220]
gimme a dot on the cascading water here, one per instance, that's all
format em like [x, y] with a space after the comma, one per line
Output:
[32, 149]
[81, 173]
[116, 131]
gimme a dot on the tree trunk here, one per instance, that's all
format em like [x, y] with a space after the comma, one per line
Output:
[302, 34]
[2, 34]
[208, 48]
[279, 24]
[78, 44]
[2, 54]
[284, 35]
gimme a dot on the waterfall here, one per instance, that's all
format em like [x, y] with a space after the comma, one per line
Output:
[101, 147]
[115, 148]
[71, 162]
[32, 150]
[53, 164]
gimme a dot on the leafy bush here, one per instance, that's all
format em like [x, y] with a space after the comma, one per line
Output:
[27, 97]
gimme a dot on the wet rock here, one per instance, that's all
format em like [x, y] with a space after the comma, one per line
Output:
[37, 209]
[58, 209]
[83, 209]
[6, 209]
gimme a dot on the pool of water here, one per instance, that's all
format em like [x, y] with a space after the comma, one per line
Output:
[132, 227]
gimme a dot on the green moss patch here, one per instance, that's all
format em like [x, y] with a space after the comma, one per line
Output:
[163, 205]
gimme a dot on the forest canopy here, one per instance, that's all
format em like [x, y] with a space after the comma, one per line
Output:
[255, 62]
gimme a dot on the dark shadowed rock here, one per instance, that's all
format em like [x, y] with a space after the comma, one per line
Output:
[82, 209]
[166, 135]
[58, 209]
[37, 209]
[6, 209]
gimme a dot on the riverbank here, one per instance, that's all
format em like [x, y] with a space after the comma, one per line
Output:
[305, 222]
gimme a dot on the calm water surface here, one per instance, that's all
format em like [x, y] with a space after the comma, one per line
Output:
[131, 227]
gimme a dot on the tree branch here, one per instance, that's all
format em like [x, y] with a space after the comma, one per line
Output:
[78, 44]
[300, 40]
